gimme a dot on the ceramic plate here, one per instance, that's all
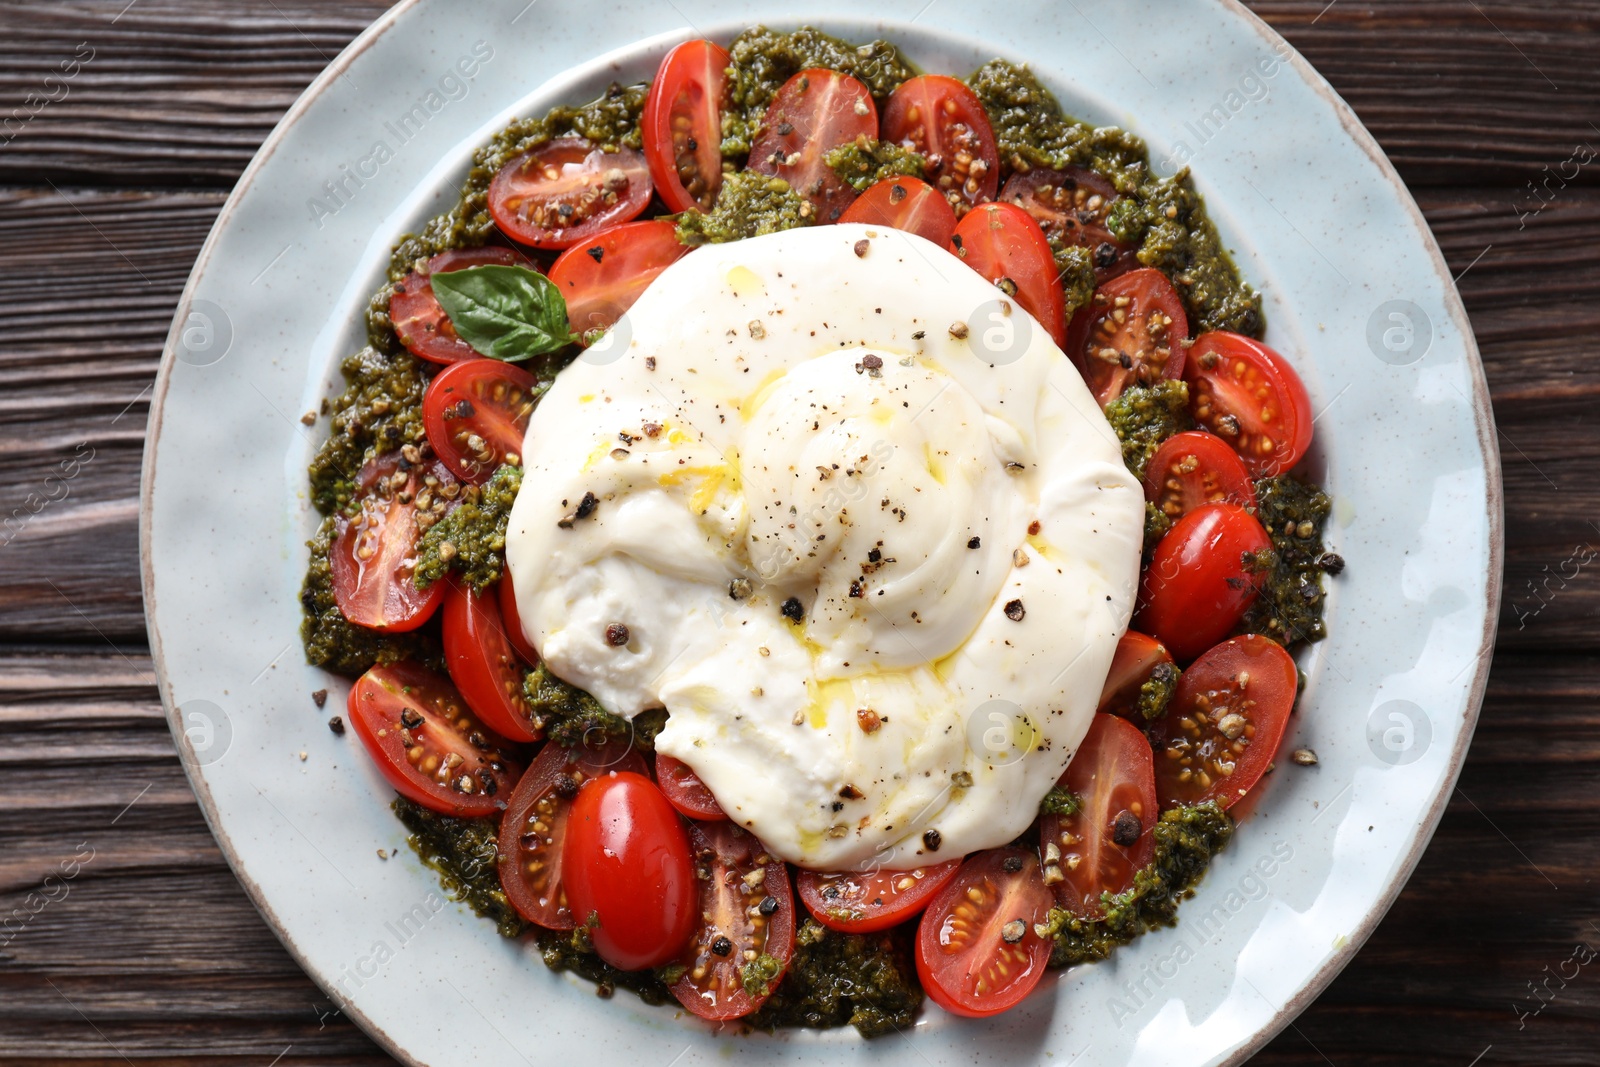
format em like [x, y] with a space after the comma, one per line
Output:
[1356, 293]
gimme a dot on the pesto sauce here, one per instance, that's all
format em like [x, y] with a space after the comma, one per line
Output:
[573, 951]
[749, 205]
[1292, 600]
[1146, 415]
[568, 714]
[465, 853]
[333, 642]
[1060, 801]
[863, 165]
[379, 411]
[1157, 524]
[471, 539]
[1156, 693]
[865, 980]
[1075, 271]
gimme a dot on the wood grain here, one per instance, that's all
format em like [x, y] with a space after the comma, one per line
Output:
[154, 955]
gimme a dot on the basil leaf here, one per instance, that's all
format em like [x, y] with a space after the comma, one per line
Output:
[507, 313]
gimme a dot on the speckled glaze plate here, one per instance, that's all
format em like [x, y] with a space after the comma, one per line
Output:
[1357, 295]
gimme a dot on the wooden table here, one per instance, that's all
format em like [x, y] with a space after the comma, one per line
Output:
[151, 951]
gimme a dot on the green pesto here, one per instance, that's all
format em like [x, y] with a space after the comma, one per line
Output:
[1186, 839]
[760, 975]
[569, 714]
[1163, 217]
[749, 205]
[1156, 693]
[1292, 600]
[763, 59]
[1060, 801]
[864, 165]
[475, 531]
[574, 951]
[467, 858]
[1156, 525]
[334, 643]
[1075, 270]
[1146, 415]
[865, 980]
[379, 410]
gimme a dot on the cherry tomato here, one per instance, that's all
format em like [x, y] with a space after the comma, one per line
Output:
[942, 120]
[1129, 334]
[682, 125]
[861, 903]
[482, 664]
[533, 831]
[741, 913]
[977, 952]
[1108, 841]
[1225, 723]
[513, 621]
[1137, 657]
[374, 555]
[566, 191]
[908, 204]
[1194, 468]
[815, 112]
[1071, 206]
[627, 871]
[685, 791]
[1003, 244]
[1248, 395]
[420, 322]
[602, 277]
[1198, 583]
[428, 744]
[476, 413]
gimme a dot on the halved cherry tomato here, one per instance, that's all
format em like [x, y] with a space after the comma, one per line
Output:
[475, 414]
[977, 952]
[420, 322]
[682, 125]
[513, 621]
[566, 191]
[1138, 656]
[627, 871]
[428, 744]
[861, 903]
[815, 112]
[741, 913]
[601, 278]
[1130, 334]
[1226, 722]
[1002, 243]
[1100, 849]
[374, 555]
[1071, 206]
[942, 120]
[685, 791]
[1194, 468]
[1200, 581]
[533, 831]
[482, 664]
[1248, 395]
[908, 204]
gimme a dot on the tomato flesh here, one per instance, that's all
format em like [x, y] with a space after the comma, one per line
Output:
[1101, 847]
[603, 276]
[685, 791]
[942, 120]
[476, 413]
[1071, 206]
[1194, 468]
[1198, 583]
[1138, 656]
[533, 831]
[566, 191]
[682, 125]
[512, 621]
[815, 112]
[908, 204]
[428, 744]
[1225, 723]
[1002, 243]
[1130, 334]
[859, 903]
[419, 320]
[1248, 395]
[372, 560]
[977, 951]
[483, 665]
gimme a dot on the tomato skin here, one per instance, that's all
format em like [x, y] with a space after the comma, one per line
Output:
[1142, 350]
[728, 854]
[500, 422]
[908, 204]
[959, 940]
[685, 791]
[512, 621]
[1194, 468]
[419, 320]
[482, 664]
[1196, 586]
[1114, 775]
[626, 864]
[815, 112]
[1136, 657]
[682, 125]
[373, 556]
[1239, 389]
[1071, 206]
[938, 117]
[1001, 242]
[1264, 699]
[602, 189]
[603, 276]
[863, 903]
[531, 857]
[382, 702]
